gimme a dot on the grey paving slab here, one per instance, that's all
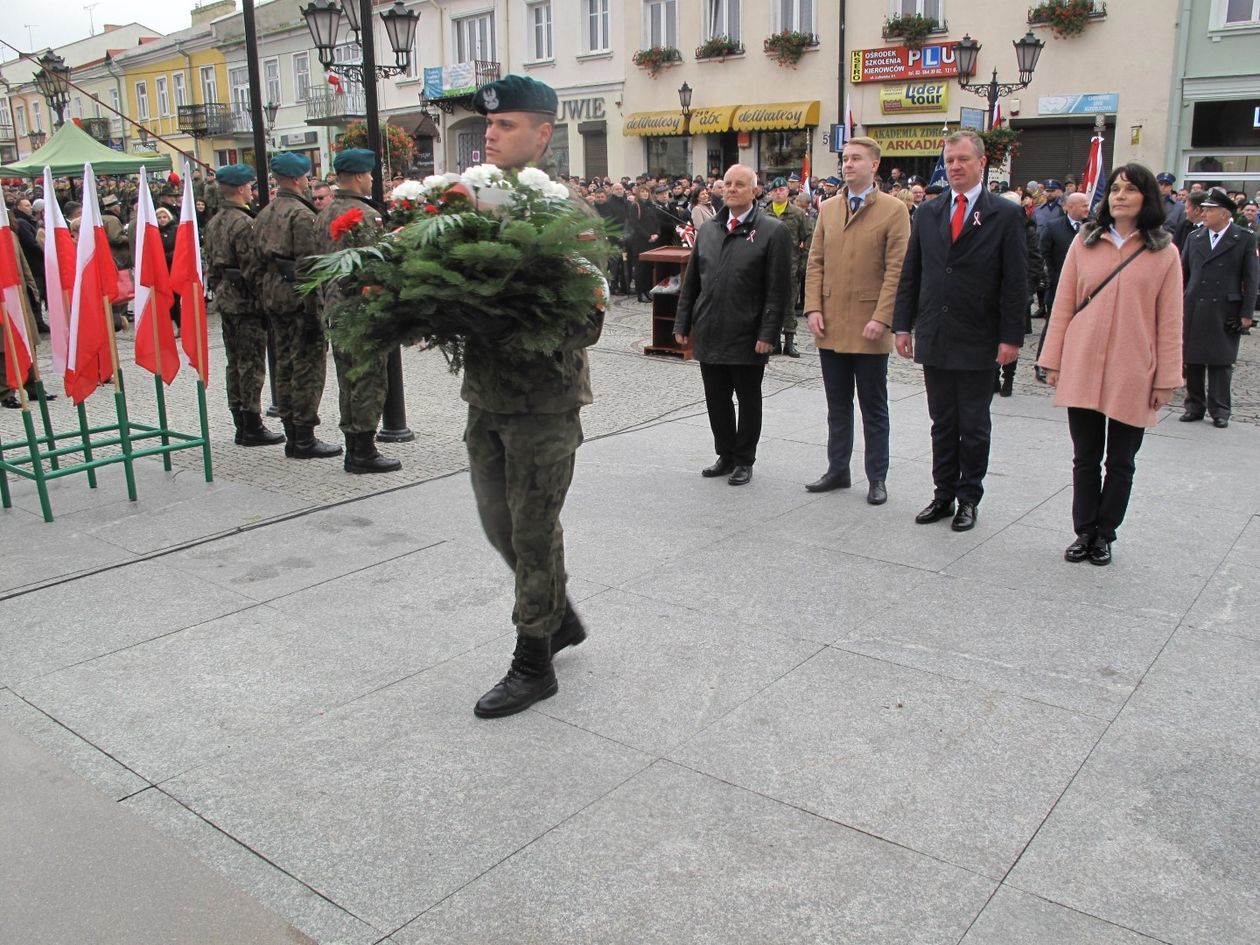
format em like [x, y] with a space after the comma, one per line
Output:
[315, 915]
[785, 586]
[650, 674]
[79, 868]
[1016, 918]
[55, 627]
[88, 762]
[1228, 603]
[947, 768]
[73, 552]
[1075, 656]
[391, 803]
[724, 866]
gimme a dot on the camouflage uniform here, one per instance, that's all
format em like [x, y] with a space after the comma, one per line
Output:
[284, 233]
[798, 225]
[362, 399]
[233, 271]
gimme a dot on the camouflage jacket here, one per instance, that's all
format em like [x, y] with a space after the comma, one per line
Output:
[284, 234]
[233, 269]
[119, 244]
[798, 226]
[373, 226]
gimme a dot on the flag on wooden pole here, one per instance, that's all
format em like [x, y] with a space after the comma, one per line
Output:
[188, 282]
[17, 346]
[88, 359]
[155, 333]
[59, 256]
[1095, 174]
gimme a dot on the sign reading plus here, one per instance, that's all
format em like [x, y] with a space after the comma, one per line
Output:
[899, 64]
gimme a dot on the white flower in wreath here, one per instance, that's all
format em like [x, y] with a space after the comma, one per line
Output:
[434, 181]
[411, 190]
[482, 175]
[532, 178]
[556, 191]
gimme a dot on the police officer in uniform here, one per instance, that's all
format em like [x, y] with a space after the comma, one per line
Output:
[362, 398]
[523, 432]
[284, 234]
[232, 273]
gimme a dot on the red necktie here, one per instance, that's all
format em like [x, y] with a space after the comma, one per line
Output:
[734, 223]
[960, 215]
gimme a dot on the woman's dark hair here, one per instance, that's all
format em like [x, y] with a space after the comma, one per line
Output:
[1151, 216]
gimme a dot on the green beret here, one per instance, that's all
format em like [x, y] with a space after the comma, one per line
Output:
[777, 183]
[234, 175]
[354, 161]
[290, 164]
[516, 93]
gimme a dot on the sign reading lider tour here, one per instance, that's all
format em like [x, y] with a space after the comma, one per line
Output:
[899, 64]
[914, 97]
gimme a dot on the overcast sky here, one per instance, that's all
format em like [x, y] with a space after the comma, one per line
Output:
[56, 22]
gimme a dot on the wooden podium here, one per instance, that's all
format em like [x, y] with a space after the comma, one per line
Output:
[666, 261]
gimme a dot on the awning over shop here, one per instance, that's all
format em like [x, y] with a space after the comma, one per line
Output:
[653, 123]
[776, 116]
[415, 123]
[712, 121]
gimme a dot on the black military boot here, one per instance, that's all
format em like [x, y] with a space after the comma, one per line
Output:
[362, 455]
[238, 423]
[789, 345]
[530, 679]
[307, 446]
[570, 632]
[254, 433]
[289, 437]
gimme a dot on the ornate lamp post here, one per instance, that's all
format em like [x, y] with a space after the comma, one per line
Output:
[53, 82]
[1027, 52]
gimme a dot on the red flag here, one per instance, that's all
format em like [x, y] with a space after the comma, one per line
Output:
[59, 254]
[17, 346]
[89, 360]
[155, 333]
[187, 280]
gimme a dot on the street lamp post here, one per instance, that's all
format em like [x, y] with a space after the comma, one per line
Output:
[323, 19]
[1027, 52]
[53, 82]
[684, 100]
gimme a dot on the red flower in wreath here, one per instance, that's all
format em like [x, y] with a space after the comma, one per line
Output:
[345, 223]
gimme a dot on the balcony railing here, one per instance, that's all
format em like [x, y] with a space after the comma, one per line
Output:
[241, 120]
[210, 119]
[7, 134]
[335, 108]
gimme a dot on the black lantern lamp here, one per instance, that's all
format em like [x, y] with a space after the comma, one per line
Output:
[400, 27]
[323, 19]
[53, 82]
[968, 52]
[1027, 52]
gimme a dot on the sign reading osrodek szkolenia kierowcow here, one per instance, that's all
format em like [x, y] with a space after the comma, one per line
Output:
[899, 64]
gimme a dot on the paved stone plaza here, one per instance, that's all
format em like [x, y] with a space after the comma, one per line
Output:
[232, 712]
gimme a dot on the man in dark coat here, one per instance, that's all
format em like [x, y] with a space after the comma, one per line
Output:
[1192, 221]
[1174, 209]
[735, 294]
[1220, 274]
[964, 294]
[1055, 242]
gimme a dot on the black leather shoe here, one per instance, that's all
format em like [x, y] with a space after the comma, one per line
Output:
[530, 679]
[936, 510]
[1220, 422]
[570, 632]
[1079, 549]
[1189, 417]
[965, 520]
[1099, 551]
[789, 345]
[877, 494]
[1007, 387]
[644, 298]
[741, 476]
[723, 467]
[829, 481]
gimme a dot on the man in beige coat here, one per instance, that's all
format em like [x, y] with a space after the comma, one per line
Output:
[850, 288]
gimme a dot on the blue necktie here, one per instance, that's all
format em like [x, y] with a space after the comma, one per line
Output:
[855, 203]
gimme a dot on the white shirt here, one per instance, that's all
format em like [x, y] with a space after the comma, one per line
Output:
[1214, 236]
[862, 196]
[972, 196]
[738, 219]
[1117, 238]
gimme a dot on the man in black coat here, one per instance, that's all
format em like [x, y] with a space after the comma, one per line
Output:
[1055, 241]
[964, 294]
[1220, 273]
[1193, 219]
[735, 293]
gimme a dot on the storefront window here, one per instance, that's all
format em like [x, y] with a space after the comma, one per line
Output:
[668, 156]
[782, 152]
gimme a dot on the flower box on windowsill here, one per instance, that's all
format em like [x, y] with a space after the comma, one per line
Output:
[656, 58]
[787, 47]
[719, 48]
[913, 30]
[1067, 18]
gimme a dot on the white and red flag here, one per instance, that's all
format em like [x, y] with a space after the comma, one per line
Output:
[89, 359]
[850, 126]
[1095, 174]
[155, 333]
[17, 346]
[59, 267]
[188, 282]
[997, 115]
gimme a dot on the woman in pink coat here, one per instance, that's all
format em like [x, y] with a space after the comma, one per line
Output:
[1113, 351]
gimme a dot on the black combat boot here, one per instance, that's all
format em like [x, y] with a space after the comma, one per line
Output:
[362, 455]
[253, 433]
[306, 446]
[789, 345]
[570, 632]
[239, 422]
[530, 679]
[289, 437]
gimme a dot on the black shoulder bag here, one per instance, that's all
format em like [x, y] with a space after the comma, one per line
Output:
[1102, 285]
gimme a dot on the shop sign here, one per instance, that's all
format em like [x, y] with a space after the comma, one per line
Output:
[582, 109]
[776, 116]
[910, 140]
[899, 64]
[297, 140]
[1092, 103]
[653, 123]
[914, 97]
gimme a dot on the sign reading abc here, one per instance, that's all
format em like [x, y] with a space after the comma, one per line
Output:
[899, 64]
[914, 97]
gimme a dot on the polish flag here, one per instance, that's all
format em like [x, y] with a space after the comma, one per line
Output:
[188, 282]
[17, 345]
[155, 333]
[88, 359]
[997, 115]
[805, 172]
[850, 126]
[1095, 174]
[59, 255]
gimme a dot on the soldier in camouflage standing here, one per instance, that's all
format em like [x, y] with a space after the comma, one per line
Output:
[284, 234]
[363, 397]
[232, 272]
[779, 205]
[523, 432]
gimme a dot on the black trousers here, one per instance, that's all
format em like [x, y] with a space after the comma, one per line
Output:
[1098, 506]
[734, 439]
[958, 403]
[869, 374]
[1216, 399]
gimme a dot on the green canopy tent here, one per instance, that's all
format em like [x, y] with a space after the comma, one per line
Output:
[71, 147]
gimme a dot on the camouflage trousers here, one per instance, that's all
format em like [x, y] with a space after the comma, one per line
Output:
[361, 399]
[245, 348]
[301, 366]
[521, 467]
